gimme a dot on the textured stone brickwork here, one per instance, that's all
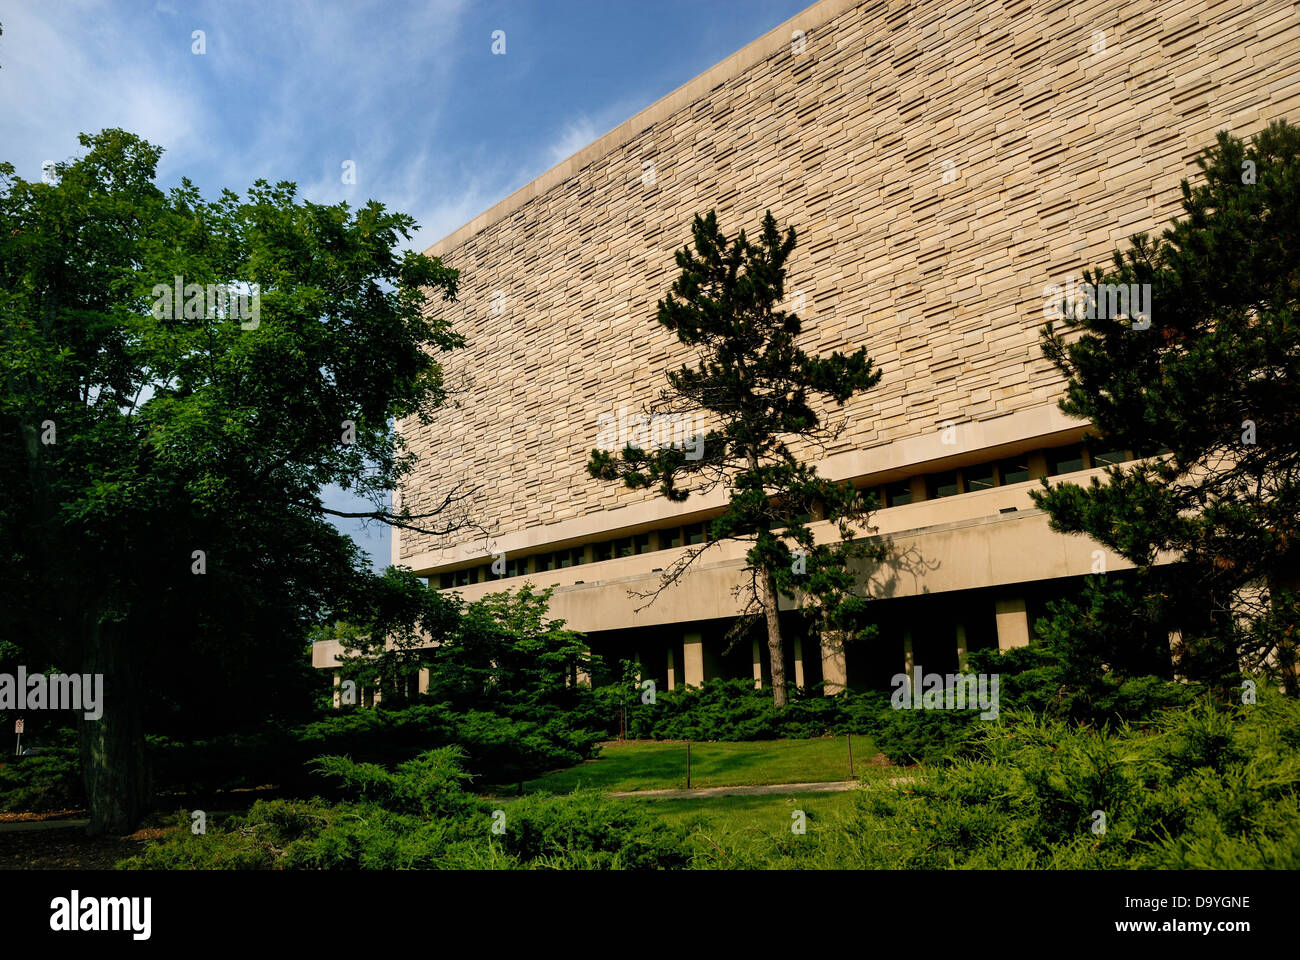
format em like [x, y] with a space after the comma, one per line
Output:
[941, 162]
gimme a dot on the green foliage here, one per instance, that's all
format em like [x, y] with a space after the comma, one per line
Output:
[301, 835]
[916, 736]
[385, 625]
[501, 691]
[495, 748]
[417, 816]
[507, 656]
[43, 782]
[143, 430]
[1211, 377]
[499, 653]
[1041, 679]
[731, 710]
[1062, 676]
[585, 830]
[432, 784]
[762, 393]
[1206, 787]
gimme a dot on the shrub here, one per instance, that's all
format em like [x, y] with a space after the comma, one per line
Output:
[586, 830]
[1204, 787]
[417, 816]
[430, 785]
[915, 736]
[42, 782]
[495, 748]
[729, 710]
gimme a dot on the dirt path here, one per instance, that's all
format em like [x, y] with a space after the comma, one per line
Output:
[21, 826]
[63, 845]
[833, 786]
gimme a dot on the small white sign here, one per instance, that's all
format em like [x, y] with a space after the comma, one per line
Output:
[18, 726]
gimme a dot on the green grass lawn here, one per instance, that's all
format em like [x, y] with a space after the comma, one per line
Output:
[724, 828]
[738, 831]
[769, 813]
[654, 765]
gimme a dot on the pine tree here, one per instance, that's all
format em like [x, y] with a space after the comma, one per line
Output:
[757, 388]
[1210, 376]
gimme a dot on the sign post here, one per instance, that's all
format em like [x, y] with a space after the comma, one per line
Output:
[18, 744]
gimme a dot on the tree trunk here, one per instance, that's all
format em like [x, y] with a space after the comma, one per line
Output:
[775, 648]
[113, 765]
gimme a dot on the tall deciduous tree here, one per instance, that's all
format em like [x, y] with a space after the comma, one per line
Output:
[759, 390]
[161, 520]
[1211, 375]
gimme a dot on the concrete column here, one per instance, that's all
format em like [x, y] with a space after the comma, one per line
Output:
[672, 668]
[424, 680]
[834, 673]
[917, 485]
[1013, 623]
[693, 659]
[961, 647]
[798, 663]
[909, 661]
[758, 664]
[636, 660]
[1037, 463]
[338, 689]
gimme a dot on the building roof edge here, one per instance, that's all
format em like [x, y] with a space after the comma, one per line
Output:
[746, 57]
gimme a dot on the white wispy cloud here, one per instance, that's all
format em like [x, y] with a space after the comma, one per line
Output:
[69, 68]
[577, 133]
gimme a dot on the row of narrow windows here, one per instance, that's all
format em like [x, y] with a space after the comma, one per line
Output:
[931, 486]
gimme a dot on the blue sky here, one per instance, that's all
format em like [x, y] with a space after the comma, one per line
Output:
[435, 124]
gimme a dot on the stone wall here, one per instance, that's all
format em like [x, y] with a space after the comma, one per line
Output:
[942, 163]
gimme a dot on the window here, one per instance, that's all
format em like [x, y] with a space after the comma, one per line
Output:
[513, 567]
[941, 485]
[1013, 470]
[603, 551]
[897, 494]
[558, 560]
[1064, 459]
[979, 478]
[671, 538]
[457, 578]
[623, 547]
[641, 543]
[694, 533]
[1104, 456]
